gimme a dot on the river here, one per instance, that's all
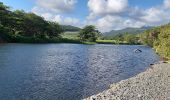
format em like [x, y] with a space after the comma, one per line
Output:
[67, 71]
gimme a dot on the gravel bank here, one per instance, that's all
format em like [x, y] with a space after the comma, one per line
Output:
[153, 84]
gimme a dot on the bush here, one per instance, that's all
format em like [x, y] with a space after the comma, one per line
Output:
[159, 39]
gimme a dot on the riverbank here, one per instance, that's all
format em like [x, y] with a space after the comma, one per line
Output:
[153, 84]
[62, 40]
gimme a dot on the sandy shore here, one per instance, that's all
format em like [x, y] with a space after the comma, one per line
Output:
[153, 84]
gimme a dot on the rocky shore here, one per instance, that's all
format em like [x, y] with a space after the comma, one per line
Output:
[153, 84]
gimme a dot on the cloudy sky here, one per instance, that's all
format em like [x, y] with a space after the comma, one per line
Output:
[106, 15]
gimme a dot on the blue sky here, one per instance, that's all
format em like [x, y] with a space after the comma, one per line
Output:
[145, 3]
[106, 15]
[82, 4]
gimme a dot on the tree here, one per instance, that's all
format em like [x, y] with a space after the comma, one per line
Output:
[88, 33]
[34, 25]
[19, 25]
[5, 33]
[4, 14]
[159, 39]
[54, 29]
[131, 38]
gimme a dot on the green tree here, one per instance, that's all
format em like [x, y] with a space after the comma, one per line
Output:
[4, 13]
[131, 38]
[54, 29]
[88, 33]
[18, 25]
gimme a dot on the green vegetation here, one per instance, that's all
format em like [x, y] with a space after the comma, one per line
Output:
[88, 34]
[69, 28]
[71, 35]
[18, 26]
[126, 38]
[159, 39]
[106, 41]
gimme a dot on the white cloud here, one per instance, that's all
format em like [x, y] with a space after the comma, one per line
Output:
[91, 16]
[167, 4]
[105, 14]
[101, 7]
[117, 14]
[155, 16]
[51, 10]
[61, 19]
[109, 22]
[56, 5]
[71, 21]
[57, 18]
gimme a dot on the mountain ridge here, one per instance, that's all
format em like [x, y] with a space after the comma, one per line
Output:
[129, 30]
[70, 28]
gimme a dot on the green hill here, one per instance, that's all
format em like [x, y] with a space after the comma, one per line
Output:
[69, 28]
[127, 30]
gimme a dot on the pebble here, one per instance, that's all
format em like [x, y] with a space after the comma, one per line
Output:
[149, 85]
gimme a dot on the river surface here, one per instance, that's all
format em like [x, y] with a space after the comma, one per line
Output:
[66, 71]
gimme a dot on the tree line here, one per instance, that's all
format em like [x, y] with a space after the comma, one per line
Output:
[19, 26]
[126, 38]
[15, 25]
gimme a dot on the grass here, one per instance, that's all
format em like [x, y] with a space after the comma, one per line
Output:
[89, 43]
[105, 41]
[70, 35]
[73, 37]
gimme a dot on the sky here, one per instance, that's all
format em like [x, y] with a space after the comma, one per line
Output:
[106, 15]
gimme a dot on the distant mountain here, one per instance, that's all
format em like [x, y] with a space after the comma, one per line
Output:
[127, 30]
[70, 28]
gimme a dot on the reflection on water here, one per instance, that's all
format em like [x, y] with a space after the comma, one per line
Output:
[66, 71]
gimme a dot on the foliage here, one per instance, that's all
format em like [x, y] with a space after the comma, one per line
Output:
[126, 38]
[88, 34]
[71, 35]
[17, 26]
[106, 41]
[159, 39]
[5, 33]
[131, 39]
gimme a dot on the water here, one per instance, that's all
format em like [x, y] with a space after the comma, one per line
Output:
[66, 71]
